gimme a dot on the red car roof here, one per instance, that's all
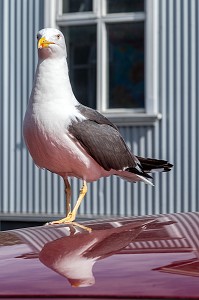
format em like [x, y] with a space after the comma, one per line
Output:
[147, 257]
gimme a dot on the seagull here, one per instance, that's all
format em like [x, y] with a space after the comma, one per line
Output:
[70, 139]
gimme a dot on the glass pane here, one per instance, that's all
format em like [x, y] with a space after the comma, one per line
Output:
[118, 6]
[126, 65]
[81, 48]
[70, 6]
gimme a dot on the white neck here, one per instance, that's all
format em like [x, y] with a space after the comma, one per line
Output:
[52, 80]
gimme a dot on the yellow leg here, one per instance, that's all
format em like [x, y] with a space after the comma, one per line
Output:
[68, 195]
[71, 215]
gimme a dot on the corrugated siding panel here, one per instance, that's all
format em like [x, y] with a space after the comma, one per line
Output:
[20, 21]
[26, 189]
[178, 90]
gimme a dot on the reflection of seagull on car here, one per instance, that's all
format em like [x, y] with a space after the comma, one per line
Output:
[74, 256]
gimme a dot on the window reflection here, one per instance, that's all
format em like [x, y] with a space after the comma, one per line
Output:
[81, 47]
[118, 6]
[126, 65]
[70, 6]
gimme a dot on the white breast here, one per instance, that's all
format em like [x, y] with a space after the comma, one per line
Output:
[52, 147]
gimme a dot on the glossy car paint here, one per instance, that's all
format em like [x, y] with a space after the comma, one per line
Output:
[155, 257]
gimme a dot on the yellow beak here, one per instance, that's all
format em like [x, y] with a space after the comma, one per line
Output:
[43, 43]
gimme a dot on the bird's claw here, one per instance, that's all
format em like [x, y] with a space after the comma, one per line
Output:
[67, 221]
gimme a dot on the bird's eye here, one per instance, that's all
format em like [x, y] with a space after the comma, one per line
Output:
[58, 36]
[37, 36]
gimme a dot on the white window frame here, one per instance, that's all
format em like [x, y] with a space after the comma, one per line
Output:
[147, 116]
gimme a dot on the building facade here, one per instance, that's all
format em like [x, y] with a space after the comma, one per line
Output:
[136, 62]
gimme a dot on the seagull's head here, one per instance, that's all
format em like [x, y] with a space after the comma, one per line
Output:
[51, 43]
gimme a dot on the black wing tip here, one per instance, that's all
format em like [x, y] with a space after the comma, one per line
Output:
[151, 164]
[167, 167]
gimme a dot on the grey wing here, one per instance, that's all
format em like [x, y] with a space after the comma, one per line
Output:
[94, 115]
[104, 144]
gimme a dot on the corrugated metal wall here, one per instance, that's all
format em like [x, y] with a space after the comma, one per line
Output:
[20, 21]
[178, 90]
[26, 189]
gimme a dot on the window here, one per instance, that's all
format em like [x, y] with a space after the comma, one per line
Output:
[125, 43]
[81, 48]
[112, 56]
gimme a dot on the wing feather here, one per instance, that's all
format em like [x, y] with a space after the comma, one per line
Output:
[104, 144]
